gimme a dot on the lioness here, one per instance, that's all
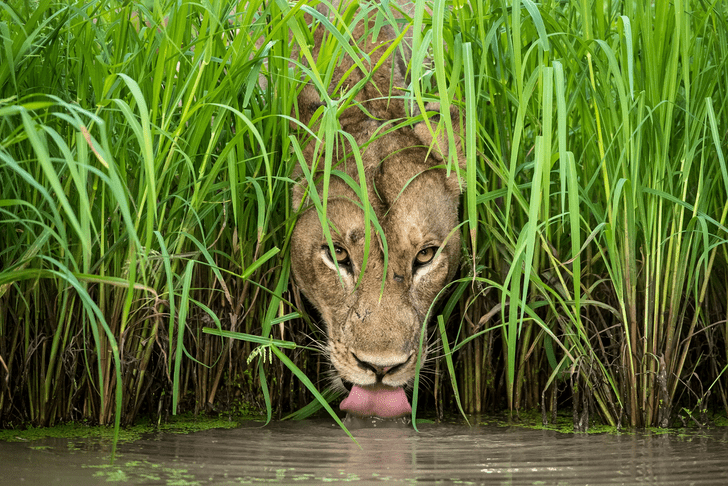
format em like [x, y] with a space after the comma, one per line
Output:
[373, 336]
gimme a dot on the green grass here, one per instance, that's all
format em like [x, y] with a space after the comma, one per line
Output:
[145, 156]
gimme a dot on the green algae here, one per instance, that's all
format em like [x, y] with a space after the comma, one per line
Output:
[143, 470]
[564, 424]
[77, 432]
[180, 424]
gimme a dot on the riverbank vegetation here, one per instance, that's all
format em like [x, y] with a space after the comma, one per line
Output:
[145, 155]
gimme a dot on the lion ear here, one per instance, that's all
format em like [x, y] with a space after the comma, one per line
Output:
[435, 137]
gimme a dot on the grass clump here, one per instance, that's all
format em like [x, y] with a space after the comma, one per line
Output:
[145, 154]
[137, 190]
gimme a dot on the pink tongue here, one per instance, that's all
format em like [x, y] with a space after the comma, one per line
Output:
[384, 402]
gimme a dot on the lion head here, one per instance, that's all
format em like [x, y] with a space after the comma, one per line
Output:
[376, 282]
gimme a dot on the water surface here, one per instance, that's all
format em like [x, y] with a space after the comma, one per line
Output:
[317, 451]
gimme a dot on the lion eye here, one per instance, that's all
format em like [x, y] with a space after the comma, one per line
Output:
[340, 254]
[425, 256]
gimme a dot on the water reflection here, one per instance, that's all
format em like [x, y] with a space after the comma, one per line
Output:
[317, 451]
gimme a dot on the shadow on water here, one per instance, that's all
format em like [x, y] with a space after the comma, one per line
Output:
[312, 452]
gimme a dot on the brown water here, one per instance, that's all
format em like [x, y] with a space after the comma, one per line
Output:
[313, 452]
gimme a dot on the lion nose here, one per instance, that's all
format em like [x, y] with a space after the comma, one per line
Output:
[380, 370]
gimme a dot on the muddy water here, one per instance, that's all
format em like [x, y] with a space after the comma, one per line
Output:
[313, 452]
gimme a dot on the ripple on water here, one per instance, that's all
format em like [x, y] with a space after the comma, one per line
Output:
[317, 451]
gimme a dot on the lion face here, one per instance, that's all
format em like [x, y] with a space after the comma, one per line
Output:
[374, 315]
[374, 299]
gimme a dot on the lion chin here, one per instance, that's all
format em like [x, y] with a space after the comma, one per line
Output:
[374, 285]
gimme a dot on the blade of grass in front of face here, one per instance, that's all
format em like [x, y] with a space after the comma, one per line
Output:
[362, 193]
[307, 382]
[314, 406]
[319, 203]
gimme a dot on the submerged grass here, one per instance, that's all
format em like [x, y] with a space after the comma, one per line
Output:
[145, 155]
